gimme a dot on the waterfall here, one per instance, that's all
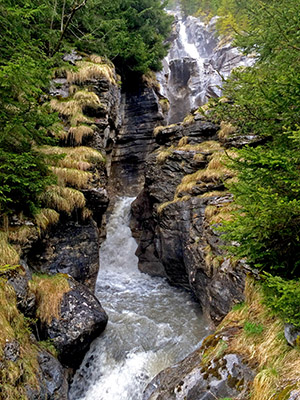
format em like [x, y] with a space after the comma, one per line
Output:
[196, 65]
[151, 324]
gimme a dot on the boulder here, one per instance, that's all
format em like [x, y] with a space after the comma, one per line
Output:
[193, 379]
[81, 320]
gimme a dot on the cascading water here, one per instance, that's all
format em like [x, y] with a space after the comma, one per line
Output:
[196, 65]
[151, 324]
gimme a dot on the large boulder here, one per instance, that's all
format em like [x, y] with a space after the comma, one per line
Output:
[81, 319]
[226, 376]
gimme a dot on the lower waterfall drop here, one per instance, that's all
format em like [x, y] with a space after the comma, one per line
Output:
[151, 324]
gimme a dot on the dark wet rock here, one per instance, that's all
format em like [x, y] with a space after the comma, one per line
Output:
[97, 201]
[225, 376]
[141, 112]
[82, 319]
[52, 381]
[18, 279]
[175, 238]
[70, 248]
[240, 141]
[292, 334]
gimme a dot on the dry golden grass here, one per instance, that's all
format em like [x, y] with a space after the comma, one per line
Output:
[216, 169]
[90, 70]
[183, 141]
[8, 255]
[46, 217]
[63, 199]
[198, 157]
[22, 234]
[277, 363]
[164, 154]
[86, 213]
[158, 129]
[73, 110]
[49, 292]
[213, 193]
[81, 158]
[77, 133]
[187, 183]
[86, 98]
[162, 206]
[220, 213]
[188, 120]
[207, 147]
[15, 376]
[66, 108]
[72, 177]
[226, 129]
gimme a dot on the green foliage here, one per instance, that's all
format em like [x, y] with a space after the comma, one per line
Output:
[283, 297]
[32, 35]
[264, 100]
[130, 32]
[251, 328]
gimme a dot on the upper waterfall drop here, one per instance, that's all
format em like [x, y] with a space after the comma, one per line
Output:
[195, 66]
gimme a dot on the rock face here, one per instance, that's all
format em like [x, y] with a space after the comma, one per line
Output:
[196, 379]
[173, 227]
[141, 112]
[81, 320]
[52, 381]
[195, 66]
[71, 248]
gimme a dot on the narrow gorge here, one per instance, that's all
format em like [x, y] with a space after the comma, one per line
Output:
[121, 287]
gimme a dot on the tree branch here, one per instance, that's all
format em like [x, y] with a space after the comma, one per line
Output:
[75, 8]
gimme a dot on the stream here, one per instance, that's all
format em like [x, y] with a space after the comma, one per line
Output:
[152, 325]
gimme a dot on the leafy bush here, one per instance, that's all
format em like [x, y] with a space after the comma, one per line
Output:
[283, 297]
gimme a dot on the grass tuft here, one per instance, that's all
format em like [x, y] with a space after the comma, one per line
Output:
[8, 255]
[15, 375]
[226, 129]
[46, 217]
[72, 177]
[63, 199]
[95, 68]
[77, 133]
[81, 158]
[49, 292]
[262, 343]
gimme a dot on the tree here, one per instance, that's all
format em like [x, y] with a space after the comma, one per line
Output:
[129, 32]
[264, 100]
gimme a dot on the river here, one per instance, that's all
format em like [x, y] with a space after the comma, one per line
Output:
[152, 325]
